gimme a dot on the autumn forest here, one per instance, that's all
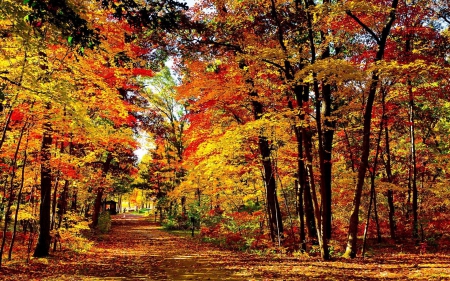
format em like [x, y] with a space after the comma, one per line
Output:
[314, 130]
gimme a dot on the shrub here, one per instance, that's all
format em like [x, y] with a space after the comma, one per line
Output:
[74, 232]
[170, 223]
[104, 222]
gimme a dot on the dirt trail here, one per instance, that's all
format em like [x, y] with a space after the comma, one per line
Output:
[138, 249]
[134, 250]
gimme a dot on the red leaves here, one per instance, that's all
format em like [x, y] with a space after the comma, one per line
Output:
[17, 115]
[142, 72]
[131, 120]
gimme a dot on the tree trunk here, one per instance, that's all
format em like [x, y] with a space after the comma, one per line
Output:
[390, 193]
[43, 244]
[19, 198]
[272, 199]
[375, 213]
[328, 136]
[275, 218]
[97, 206]
[300, 214]
[73, 207]
[413, 163]
[309, 212]
[63, 203]
[351, 248]
[300, 184]
[322, 214]
[99, 195]
[317, 212]
[5, 127]
[302, 95]
[366, 228]
[54, 202]
[318, 218]
[11, 193]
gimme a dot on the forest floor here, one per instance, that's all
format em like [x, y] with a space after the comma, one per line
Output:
[137, 249]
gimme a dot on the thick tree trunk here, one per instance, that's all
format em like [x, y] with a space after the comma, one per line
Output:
[328, 135]
[73, 206]
[100, 190]
[43, 244]
[97, 206]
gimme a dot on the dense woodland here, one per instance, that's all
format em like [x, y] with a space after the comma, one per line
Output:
[288, 126]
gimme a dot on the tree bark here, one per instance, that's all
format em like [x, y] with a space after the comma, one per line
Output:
[73, 206]
[301, 180]
[19, 198]
[390, 193]
[273, 207]
[328, 136]
[11, 192]
[100, 190]
[54, 202]
[351, 248]
[413, 163]
[43, 244]
[322, 213]
[63, 203]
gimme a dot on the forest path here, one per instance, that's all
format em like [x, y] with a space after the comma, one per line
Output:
[137, 249]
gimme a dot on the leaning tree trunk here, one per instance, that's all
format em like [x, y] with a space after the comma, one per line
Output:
[19, 198]
[351, 248]
[11, 192]
[372, 191]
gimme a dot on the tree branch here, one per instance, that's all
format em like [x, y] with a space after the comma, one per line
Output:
[275, 64]
[363, 25]
[20, 85]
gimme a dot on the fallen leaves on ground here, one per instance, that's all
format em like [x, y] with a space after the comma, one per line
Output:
[136, 249]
